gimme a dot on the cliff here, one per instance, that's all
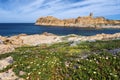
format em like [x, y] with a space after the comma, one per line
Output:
[86, 21]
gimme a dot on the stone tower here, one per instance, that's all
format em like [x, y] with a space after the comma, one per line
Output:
[91, 15]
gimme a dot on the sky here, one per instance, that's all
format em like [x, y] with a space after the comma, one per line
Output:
[28, 11]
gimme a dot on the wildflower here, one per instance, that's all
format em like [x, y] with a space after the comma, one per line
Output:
[57, 63]
[37, 64]
[31, 62]
[67, 64]
[15, 65]
[34, 69]
[28, 67]
[94, 72]
[27, 77]
[25, 55]
[115, 75]
[111, 73]
[39, 72]
[90, 60]
[95, 59]
[90, 78]
[28, 73]
[5, 66]
[52, 62]
[97, 62]
[47, 57]
[106, 57]
[114, 57]
[78, 60]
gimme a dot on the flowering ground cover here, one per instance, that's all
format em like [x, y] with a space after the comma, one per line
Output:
[60, 61]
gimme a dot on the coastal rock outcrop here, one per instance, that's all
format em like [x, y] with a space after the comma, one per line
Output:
[5, 62]
[10, 43]
[6, 48]
[9, 75]
[86, 21]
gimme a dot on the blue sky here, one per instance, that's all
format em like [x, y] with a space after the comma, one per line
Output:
[29, 10]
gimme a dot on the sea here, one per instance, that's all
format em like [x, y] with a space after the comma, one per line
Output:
[10, 29]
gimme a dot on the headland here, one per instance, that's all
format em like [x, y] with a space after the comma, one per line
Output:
[85, 22]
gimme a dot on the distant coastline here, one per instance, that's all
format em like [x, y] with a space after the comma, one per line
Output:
[82, 22]
[88, 27]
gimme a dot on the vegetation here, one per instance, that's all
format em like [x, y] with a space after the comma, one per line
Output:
[86, 61]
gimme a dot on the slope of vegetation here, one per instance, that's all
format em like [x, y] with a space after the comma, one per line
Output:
[86, 61]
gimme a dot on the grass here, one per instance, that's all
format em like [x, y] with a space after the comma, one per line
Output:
[64, 62]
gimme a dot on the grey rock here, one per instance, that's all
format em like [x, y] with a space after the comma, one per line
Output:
[91, 40]
[1, 42]
[74, 43]
[5, 62]
[9, 60]
[114, 51]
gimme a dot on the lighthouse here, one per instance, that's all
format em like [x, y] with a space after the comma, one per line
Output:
[91, 15]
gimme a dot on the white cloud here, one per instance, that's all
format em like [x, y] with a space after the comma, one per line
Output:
[61, 9]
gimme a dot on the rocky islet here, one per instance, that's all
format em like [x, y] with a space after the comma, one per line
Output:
[86, 22]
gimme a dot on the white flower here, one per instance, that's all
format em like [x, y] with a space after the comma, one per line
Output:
[114, 57]
[37, 64]
[39, 72]
[27, 78]
[66, 64]
[94, 72]
[115, 75]
[95, 59]
[90, 60]
[15, 65]
[107, 57]
[52, 62]
[28, 67]
[97, 62]
[28, 73]
[31, 62]
[111, 73]
[34, 69]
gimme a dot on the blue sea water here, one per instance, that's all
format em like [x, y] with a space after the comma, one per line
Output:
[9, 29]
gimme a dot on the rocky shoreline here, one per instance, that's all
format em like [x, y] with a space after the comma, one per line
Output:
[8, 44]
[83, 26]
